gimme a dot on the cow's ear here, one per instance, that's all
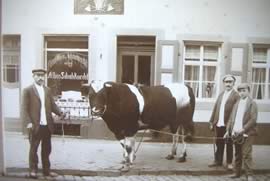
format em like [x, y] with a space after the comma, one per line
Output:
[91, 91]
[87, 90]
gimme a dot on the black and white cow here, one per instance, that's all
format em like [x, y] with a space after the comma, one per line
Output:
[127, 109]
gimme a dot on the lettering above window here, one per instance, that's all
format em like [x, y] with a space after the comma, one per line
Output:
[67, 62]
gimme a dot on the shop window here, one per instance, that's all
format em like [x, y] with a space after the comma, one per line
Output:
[66, 60]
[201, 69]
[11, 60]
[260, 73]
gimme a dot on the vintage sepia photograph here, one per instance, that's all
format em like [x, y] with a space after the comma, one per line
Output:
[153, 90]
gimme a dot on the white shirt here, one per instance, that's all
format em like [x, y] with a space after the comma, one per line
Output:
[238, 124]
[222, 108]
[40, 90]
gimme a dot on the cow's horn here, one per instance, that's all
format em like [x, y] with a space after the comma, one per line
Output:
[108, 85]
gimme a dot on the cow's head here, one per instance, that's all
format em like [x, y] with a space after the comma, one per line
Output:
[97, 92]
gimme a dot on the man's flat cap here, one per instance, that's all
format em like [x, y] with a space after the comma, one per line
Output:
[39, 71]
[243, 86]
[229, 77]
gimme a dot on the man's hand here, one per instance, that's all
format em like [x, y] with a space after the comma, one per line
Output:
[238, 133]
[211, 127]
[242, 131]
[29, 126]
[63, 115]
[226, 135]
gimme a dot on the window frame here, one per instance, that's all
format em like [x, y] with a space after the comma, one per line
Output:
[10, 52]
[136, 55]
[265, 66]
[201, 63]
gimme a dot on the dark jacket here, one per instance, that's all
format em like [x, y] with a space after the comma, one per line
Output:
[232, 99]
[31, 107]
[249, 119]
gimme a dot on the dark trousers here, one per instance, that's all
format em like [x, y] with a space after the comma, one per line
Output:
[43, 135]
[220, 144]
[243, 154]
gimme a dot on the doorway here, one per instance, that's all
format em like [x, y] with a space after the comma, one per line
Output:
[136, 59]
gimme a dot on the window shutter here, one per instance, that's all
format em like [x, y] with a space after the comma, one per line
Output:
[167, 61]
[237, 63]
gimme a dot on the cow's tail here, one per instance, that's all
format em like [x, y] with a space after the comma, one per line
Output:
[192, 105]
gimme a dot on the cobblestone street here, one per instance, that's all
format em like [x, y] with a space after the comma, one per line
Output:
[261, 177]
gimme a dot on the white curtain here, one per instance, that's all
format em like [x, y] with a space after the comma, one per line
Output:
[258, 83]
[192, 78]
[209, 82]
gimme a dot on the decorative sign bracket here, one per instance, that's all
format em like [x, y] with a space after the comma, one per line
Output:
[99, 7]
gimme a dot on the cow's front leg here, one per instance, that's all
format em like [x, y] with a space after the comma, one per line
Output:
[128, 144]
[183, 155]
[174, 146]
[125, 153]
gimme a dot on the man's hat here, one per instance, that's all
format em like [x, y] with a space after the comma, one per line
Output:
[243, 86]
[229, 77]
[40, 71]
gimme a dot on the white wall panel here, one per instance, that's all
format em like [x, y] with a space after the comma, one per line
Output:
[236, 19]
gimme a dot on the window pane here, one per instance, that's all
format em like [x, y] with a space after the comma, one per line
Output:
[210, 53]
[144, 69]
[192, 72]
[209, 82]
[128, 69]
[67, 42]
[11, 73]
[258, 83]
[192, 53]
[11, 42]
[11, 58]
[209, 73]
[259, 55]
[166, 78]
[237, 59]
[194, 86]
[167, 57]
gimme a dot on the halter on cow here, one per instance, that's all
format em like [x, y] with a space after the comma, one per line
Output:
[124, 107]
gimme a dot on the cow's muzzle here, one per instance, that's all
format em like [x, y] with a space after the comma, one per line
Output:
[98, 112]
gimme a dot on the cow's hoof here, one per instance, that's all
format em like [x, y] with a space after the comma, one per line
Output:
[134, 158]
[170, 157]
[125, 168]
[188, 138]
[181, 159]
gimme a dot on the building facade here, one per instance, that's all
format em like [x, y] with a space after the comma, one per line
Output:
[148, 42]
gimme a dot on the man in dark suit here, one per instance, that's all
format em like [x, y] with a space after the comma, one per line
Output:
[219, 120]
[37, 108]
